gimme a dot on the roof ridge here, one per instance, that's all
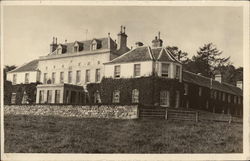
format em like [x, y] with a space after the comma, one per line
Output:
[160, 53]
[170, 54]
[150, 53]
[122, 55]
[197, 74]
[81, 41]
[23, 65]
[229, 84]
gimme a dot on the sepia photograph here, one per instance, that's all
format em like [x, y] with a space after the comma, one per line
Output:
[123, 79]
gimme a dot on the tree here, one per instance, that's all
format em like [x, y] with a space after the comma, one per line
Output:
[8, 68]
[230, 74]
[178, 54]
[208, 60]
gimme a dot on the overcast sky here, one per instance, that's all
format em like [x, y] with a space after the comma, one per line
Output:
[28, 30]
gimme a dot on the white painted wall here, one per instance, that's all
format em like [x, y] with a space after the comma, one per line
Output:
[72, 64]
[20, 77]
[127, 69]
[172, 69]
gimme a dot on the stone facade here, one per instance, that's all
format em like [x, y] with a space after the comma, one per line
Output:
[103, 111]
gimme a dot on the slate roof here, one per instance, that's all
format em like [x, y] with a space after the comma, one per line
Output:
[145, 53]
[30, 66]
[85, 45]
[210, 83]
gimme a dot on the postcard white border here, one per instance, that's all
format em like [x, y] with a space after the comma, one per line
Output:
[146, 157]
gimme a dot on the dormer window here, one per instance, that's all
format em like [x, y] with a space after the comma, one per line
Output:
[94, 46]
[75, 49]
[59, 50]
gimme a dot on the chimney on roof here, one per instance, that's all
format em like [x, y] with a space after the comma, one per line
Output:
[122, 39]
[157, 42]
[218, 76]
[137, 44]
[239, 84]
[53, 45]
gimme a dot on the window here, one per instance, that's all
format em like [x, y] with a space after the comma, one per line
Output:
[215, 94]
[177, 72]
[39, 76]
[116, 96]
[117, 71]
[26, 78]
[14, 78]
[94, 46]
[59, 50]
[13, 98]
[97, 75]
[49, 96]
[78, 76]
[223, 96]
[57, 96]
[61, 77]
[235, 99]
[25, 98]
[67, 96]
[239, 100]
[70, 76]
[87, 77]
[97, 97]
[53, 78]
[200, 91]
[165, 70]
[75, 49]
[135, 96]
[164, 98]
[185, 89]
[207, 104]
[45, 78]
[41, 96]
[137, 70]
[219, 94]
[229, 98]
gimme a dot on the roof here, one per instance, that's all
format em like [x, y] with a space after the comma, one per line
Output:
[210, 83]
[85, 45]
[145, 53]
[30, 66]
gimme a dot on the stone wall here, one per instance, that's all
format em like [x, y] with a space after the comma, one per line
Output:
[94, 111]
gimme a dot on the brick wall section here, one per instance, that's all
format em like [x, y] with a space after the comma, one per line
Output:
[102, 111]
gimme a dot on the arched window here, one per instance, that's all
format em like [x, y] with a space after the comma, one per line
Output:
[135, 96]
[116, 96]
[164, 98]
[97, 97]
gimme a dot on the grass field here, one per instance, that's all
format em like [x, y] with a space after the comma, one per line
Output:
[35, 134]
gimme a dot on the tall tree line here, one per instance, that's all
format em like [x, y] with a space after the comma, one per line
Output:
[209, 61]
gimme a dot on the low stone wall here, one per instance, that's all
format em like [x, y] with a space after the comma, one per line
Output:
[102, 111]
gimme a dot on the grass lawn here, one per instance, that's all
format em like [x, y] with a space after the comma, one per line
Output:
[35, 134]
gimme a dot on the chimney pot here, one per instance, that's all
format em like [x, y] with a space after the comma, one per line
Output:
[138, 44]
[218, 77]
[239, 84]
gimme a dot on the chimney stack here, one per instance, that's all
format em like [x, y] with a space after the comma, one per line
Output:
[53, 46]
[239, 84]
[157, 42]
[122, 39]
[217, 76]
[138, 44]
